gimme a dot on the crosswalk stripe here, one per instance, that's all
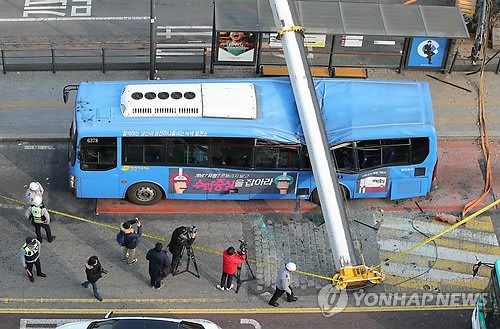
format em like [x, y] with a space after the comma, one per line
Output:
[481, 223]
[457, 251]
[409, 270]
[429, 251]
[390, 233]
[432, 229]
[442, 264]
[418, 283]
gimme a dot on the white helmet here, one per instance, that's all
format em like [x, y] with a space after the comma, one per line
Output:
[37, 201]
[34, 186]
[291, 267]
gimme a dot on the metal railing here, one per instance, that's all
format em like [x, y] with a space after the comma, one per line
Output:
[98, 56]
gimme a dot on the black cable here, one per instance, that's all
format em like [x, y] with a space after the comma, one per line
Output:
[435, 248]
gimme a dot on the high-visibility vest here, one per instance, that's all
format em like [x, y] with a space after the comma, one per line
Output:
[36, 214]
[31, 252]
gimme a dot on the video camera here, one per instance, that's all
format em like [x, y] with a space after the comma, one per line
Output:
[187, 236]
[242, 249]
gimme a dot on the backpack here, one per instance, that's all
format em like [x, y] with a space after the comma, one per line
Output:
[120, 238]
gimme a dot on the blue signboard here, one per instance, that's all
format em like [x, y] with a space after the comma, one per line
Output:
[427, 52]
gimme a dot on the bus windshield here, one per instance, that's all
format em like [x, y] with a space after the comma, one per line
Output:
[234, 139]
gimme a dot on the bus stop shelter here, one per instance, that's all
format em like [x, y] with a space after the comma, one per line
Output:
[339, 34]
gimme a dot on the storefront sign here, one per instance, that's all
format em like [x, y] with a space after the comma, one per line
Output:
[427, 52]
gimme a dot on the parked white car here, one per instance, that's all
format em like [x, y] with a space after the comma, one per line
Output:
[128, 322]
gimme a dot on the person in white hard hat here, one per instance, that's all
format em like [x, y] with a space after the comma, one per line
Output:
[39, 217]
[284, 284]
[34, 189]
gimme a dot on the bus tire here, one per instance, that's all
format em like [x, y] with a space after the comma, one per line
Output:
[144, 194]
[315, 195]
[345, 192]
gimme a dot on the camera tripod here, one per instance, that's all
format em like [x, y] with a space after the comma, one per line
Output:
[238, 275]
[190, 256]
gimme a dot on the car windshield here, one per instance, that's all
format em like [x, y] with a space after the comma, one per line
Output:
[133, 324]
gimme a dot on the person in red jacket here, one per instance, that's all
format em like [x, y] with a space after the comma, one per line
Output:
[230, 261]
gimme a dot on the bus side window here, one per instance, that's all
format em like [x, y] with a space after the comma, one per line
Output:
[200, 155]
[344, 158]
[419, 149]
[266, 158]
[98, 153]
[232, 152]
[369, 158]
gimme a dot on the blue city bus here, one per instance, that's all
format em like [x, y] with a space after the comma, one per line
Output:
[486, 315]
[241, 139]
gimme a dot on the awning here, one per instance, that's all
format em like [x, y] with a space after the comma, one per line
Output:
[349, 18]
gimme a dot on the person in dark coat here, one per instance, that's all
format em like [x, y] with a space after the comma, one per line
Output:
[131, 239]
[182, 237]
[158, 264]
[94, 272]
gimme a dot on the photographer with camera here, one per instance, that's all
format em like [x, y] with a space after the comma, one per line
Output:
[182, 237]
[231, 259]
[94, 272]
[130, 240]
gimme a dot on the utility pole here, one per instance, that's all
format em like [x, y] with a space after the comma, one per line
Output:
[152, 42]
[348, 273]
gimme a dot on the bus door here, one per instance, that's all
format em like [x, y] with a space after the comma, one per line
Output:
[360, 171]
[97, 156]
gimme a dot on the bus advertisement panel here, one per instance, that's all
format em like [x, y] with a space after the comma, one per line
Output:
[241, 139]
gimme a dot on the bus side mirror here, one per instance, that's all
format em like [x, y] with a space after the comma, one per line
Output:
[66, 91]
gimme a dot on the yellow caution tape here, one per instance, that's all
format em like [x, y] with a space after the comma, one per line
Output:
[434, 237]
[399, 255]
[115, 228]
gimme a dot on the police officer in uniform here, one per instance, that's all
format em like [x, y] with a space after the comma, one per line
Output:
[30, 254]
[40, 217]
[34, 189]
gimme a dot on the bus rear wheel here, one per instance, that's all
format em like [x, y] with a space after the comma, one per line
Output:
[315, 195]
[144, 194]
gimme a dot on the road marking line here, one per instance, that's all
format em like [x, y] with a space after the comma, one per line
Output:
[441, 264]
[409, 271]
[395, 234]
[10, 206]
[27, 323]
[39, 104]
[7, 300]
[39, 147]
[397, 246]
[251, 322]
[395, 281]
[267, 310]
[59, 19]
[433, 228]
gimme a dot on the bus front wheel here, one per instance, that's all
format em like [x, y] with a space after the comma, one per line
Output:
[144, 193]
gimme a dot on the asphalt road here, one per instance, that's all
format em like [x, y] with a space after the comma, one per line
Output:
[410, 319]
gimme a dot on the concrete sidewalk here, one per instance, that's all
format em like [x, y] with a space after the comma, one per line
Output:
[31, 105]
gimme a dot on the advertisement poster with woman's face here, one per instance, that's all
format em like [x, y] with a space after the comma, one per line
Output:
[236, 47]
